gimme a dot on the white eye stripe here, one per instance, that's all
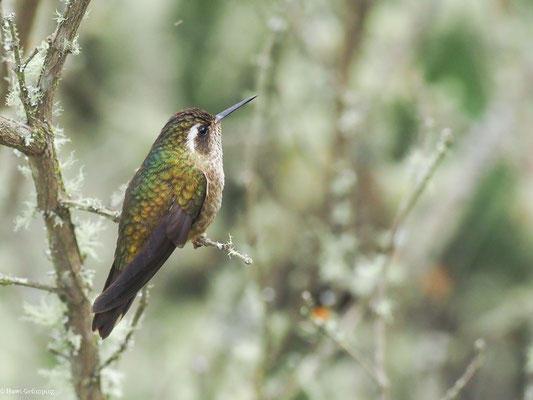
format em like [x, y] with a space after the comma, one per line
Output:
[191, 136]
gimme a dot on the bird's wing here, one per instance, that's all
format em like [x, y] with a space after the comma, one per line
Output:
[171, 231]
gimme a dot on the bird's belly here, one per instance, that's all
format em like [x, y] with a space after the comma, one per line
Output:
[212, 203]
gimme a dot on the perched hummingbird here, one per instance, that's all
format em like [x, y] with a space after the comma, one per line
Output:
[172, 199]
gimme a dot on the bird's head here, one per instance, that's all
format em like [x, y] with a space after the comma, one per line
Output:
[197, 131]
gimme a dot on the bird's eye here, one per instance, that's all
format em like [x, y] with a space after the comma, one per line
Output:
[202, 130]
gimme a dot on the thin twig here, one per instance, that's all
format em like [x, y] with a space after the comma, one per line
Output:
[228, 247]
[381, 350]
[406, 208]
[143, 303]
[366, 364]
[4, 72]
[93, 206]
[470, 371]
[19, 67]
[390, 250]
[12, 280]
[30, 57]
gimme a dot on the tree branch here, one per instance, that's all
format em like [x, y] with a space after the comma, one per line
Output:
[93, 206]
[4, 73]
[228, 247]
[19, 67]
[470, 371]
[60, 46]
[20, 137]
[11, 280]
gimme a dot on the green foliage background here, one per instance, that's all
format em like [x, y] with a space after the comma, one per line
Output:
[316, 169]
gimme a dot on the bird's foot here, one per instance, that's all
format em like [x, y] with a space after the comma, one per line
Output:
[198, 241]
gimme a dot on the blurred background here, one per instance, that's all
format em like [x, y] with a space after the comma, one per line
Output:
[354, 99]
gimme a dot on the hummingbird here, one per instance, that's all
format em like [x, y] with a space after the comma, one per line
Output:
[172, 199]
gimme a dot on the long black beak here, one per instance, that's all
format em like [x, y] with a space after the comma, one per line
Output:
[228, 111]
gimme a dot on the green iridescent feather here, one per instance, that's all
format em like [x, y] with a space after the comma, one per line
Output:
[167, 175]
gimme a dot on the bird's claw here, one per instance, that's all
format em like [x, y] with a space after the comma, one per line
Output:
[197, 242]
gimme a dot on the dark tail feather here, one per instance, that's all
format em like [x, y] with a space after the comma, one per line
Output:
[136, 274]
[103, 323]
[116, 299]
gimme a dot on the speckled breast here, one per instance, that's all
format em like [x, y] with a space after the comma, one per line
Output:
[212, 202]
